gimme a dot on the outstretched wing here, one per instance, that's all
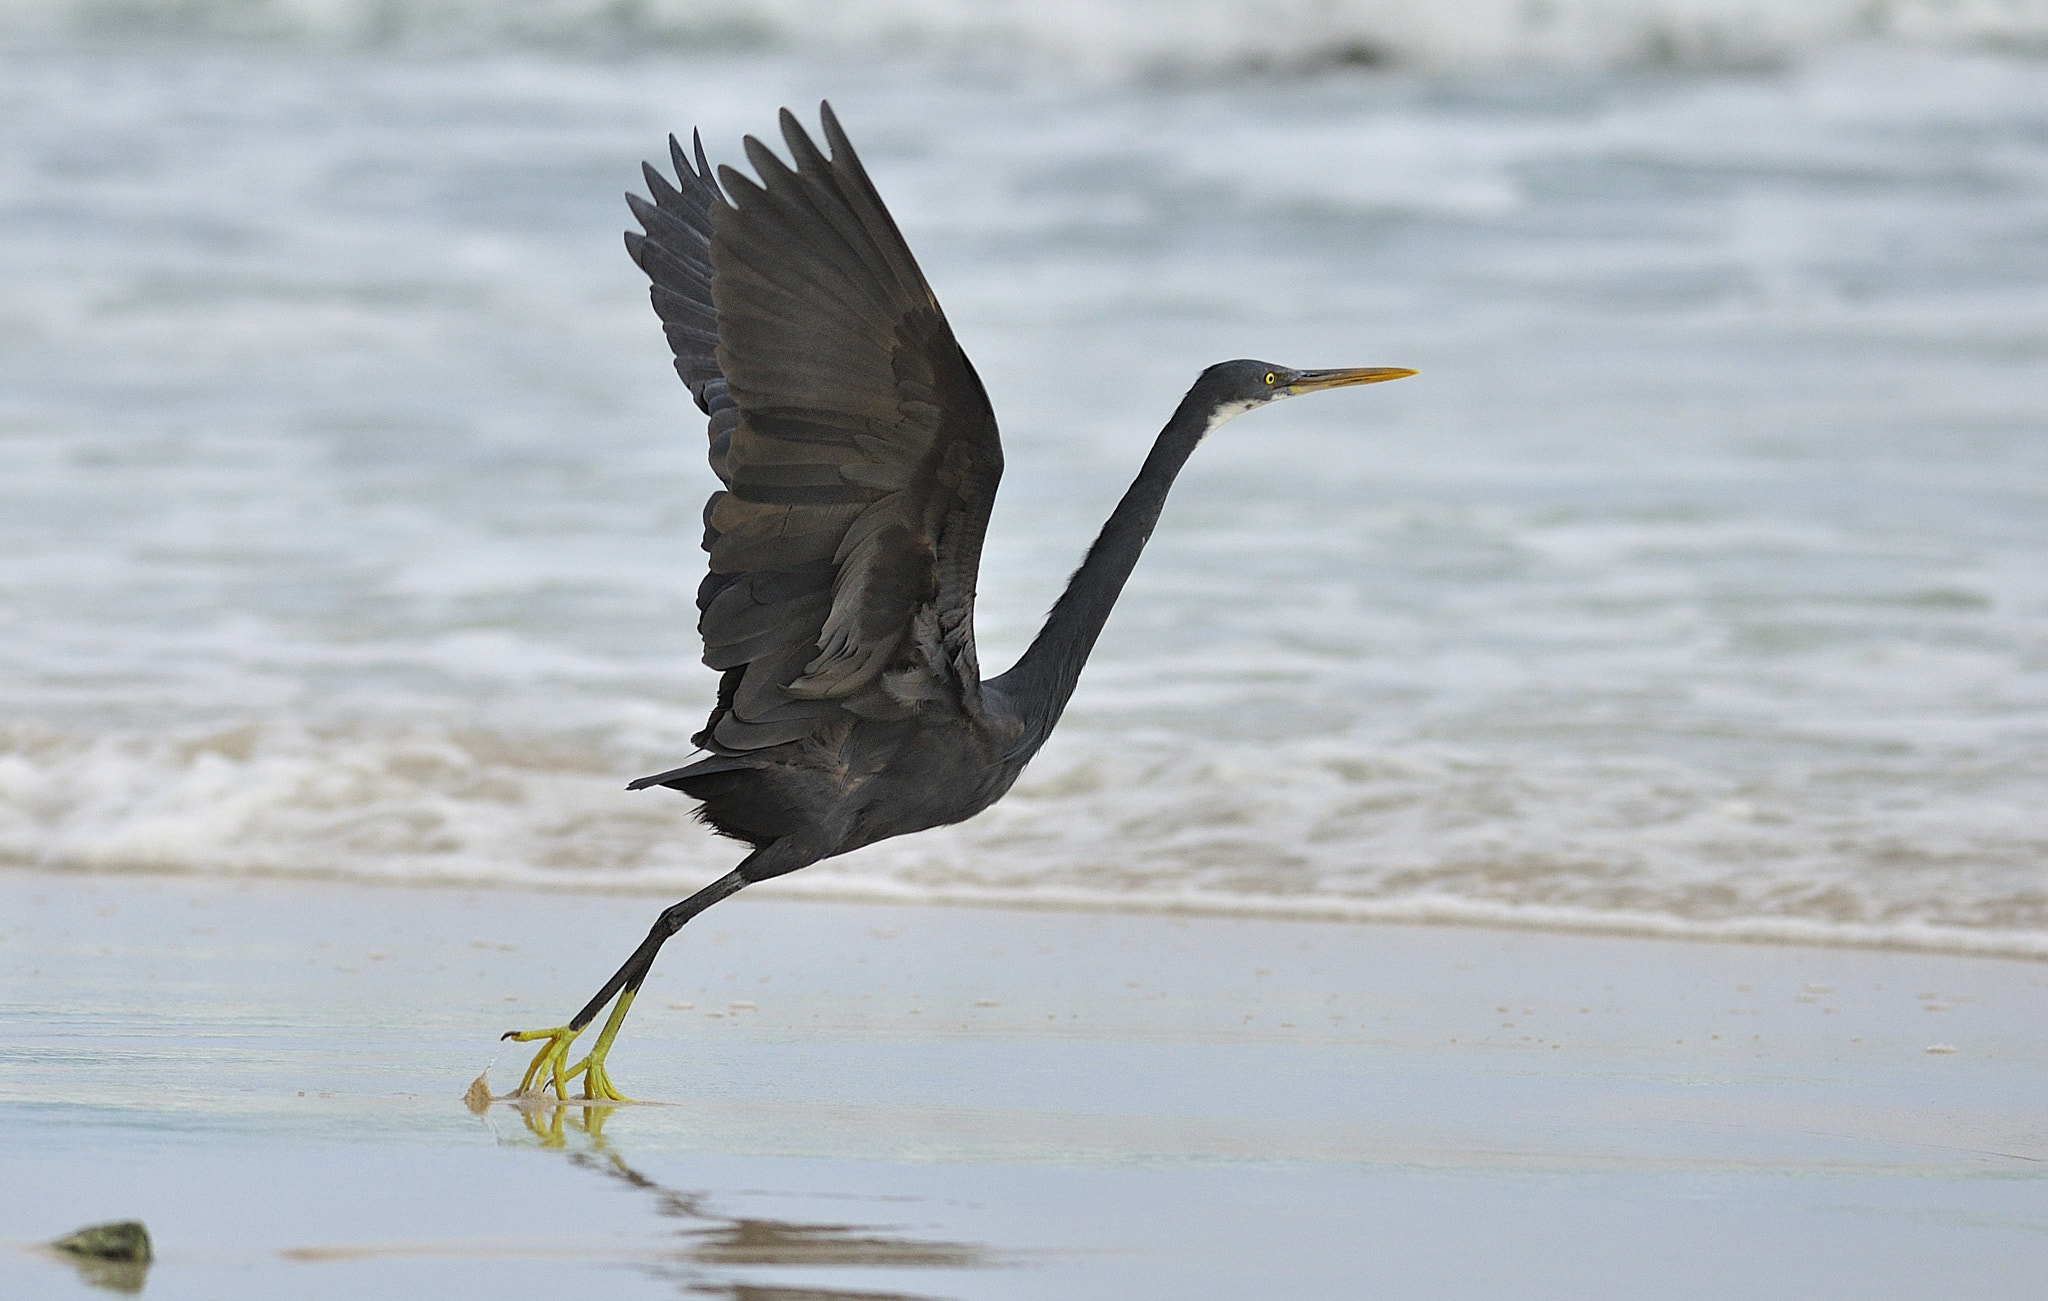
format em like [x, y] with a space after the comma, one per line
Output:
[858, 450]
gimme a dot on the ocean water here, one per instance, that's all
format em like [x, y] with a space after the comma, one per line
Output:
[1698, 585]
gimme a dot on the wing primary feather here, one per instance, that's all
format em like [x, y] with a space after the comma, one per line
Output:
[791, 197]
[704, 172]
[664, 194]
[672, 273]
[821, 181]
[862, 196]
[679, 158]
[663, 223]
[782, 240]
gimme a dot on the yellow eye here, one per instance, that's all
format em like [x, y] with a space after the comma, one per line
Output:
[1270, 377]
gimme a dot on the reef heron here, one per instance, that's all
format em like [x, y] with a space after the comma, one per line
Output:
[860, 459]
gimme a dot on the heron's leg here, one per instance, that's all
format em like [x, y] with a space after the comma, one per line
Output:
[550, 1065]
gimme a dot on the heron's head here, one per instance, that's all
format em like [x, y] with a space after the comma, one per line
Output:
[1231, 388]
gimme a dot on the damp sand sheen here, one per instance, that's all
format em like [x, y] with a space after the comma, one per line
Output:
[853, 1100]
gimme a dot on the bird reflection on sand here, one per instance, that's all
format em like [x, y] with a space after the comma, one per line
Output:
[714, 1242]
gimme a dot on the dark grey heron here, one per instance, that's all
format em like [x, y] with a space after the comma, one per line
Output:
[860, 460]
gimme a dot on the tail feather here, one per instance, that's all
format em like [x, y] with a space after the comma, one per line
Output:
[702, 768]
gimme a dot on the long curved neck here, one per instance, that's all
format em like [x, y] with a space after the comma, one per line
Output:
[1044, 677]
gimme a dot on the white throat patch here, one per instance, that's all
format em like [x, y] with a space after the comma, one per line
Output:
[1232, 410]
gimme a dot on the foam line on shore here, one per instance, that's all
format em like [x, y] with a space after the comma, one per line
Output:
[1438, 910]
[1421, 910]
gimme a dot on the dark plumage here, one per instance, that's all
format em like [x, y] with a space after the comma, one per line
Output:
[860, 460]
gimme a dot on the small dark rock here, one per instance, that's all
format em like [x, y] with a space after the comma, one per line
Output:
[124, 1240]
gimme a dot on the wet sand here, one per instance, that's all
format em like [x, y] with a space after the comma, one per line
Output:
[864, 1101]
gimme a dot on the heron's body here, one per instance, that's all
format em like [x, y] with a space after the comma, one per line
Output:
[864, 782]
[860, 460]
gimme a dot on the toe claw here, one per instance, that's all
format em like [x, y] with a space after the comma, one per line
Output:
[546, 1067]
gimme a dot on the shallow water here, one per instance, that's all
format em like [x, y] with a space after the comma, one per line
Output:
[1700, 582]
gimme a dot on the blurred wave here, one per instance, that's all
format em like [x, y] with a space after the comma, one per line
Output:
[1111, 36]
[1330, 831]
[349, 507]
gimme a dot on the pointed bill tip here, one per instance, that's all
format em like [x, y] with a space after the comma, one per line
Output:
[1315, 381]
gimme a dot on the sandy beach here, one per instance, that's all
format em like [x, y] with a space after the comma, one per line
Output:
[867, 1101]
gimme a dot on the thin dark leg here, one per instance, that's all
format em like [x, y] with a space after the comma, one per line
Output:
[550, 1064]
[629, 976]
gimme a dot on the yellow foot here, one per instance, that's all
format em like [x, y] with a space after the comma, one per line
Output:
[548, 1064]
[597, 1082]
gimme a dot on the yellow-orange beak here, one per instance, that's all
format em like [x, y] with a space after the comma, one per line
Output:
[1315, 381]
